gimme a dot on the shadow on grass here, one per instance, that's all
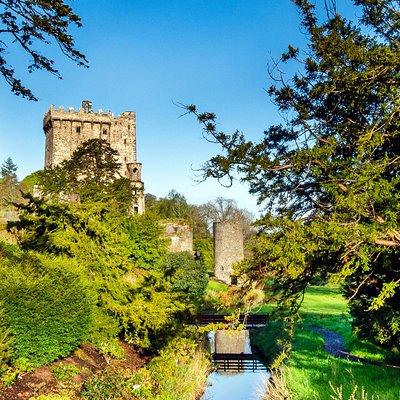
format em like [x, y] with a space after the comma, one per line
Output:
[310, 369]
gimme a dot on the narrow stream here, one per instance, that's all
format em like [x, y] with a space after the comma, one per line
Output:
[236, 384]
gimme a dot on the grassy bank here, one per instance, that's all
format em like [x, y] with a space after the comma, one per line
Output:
[311, 371]
[178, 373]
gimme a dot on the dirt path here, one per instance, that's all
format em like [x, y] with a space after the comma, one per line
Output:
[335, 345]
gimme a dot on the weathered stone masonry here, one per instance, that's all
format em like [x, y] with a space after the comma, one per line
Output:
[66, 130]
[228, 248]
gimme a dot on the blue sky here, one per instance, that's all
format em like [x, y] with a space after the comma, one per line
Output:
[146, 55]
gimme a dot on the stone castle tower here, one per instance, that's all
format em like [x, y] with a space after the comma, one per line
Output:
[228, 248]
[66, 130]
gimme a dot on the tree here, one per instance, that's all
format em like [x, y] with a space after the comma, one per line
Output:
[329, 174]
[31, 23]
[9, 169]
[222, 209]
[92, 174]
[187, 276]
[174, 205]
[9, 186]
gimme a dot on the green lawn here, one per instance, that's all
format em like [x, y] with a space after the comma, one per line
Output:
[310, 369]
[215, 286]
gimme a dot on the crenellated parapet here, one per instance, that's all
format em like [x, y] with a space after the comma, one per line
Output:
[67, 129]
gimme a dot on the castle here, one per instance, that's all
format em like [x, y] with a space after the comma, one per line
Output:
[66, 130]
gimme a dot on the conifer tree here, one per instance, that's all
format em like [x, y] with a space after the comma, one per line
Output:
[30, 26]
[328, 176]
[9, 169]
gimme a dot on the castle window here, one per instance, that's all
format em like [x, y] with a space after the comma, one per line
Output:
[78, 129]
[135, 209]
[129, 127]
[124, 141]
[104, 131]
[125, 159]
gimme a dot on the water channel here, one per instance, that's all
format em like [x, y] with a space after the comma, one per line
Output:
[238, 375]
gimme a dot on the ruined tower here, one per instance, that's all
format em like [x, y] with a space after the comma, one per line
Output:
[67, 129]
[228, 248]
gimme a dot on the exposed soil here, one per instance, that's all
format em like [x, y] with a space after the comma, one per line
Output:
[86, 358]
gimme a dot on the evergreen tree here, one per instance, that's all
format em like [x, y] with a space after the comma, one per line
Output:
[91, 174]
[31, 26]
[329, 175]
[9, 169]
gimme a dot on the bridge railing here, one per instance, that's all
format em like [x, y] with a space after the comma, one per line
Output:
[249, 320]
[237, 362]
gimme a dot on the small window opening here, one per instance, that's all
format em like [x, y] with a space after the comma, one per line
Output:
[105, 132]
[125, 159]
[136, 210]
[78, 129]
[124, 141]
[129, 127]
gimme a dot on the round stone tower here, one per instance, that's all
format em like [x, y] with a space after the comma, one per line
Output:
[228, 248]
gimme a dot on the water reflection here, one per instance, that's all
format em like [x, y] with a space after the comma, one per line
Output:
[234, 385]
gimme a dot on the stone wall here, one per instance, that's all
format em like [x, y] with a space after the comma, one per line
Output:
[228, 248]
[67, 129]
[232, 342]
[179, 235]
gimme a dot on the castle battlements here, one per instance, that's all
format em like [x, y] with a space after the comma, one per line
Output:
[67, 129]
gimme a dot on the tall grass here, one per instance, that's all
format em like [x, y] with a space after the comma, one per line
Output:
[178, 373]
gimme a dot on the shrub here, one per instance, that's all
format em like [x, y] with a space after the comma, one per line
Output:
[109, 384]
[180, 372]
[47, 307]
[104, 334]
[6, 349]
[65, 372]
[206, 249]
[187, 276]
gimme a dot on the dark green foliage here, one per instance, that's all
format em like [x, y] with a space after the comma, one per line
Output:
[31, 180]
[376, 307]
[123, 256]
[47, 307]
[90, 175]
[267, 341]
[174, 205]
[6, 348]
[329, 175]
[205, 248]
[36, 23]
[187, 276]
[146, 245]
